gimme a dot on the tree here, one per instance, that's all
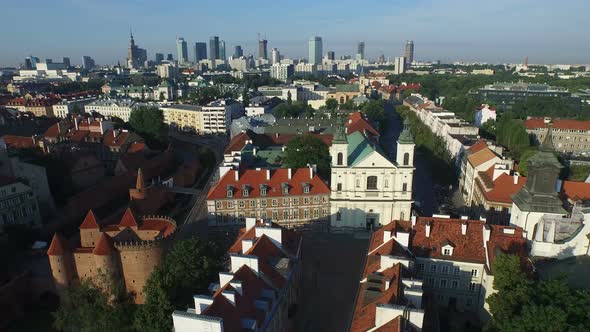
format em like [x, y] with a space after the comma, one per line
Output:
[307, 149]
[186, 270]
[245, 98]
[489, 128]
[523, 164]
[289, 98]
[149, 123]
[98, 306]
[331, 104]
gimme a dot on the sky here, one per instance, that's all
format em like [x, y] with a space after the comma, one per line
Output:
[496, 31]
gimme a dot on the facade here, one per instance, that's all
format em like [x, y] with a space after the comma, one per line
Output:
[494, 188]
[478, 159]
[18, 203]
[238, 51]
[214, 48]
[400, 63]
[200, 51]
[291, 197]
[66, 106]
[181, 51]
[483, 114]
[281, 72]
[367, 189]
[37, 106]
[568, 136]
[88, 63]
[167, 70]
[120, 108]
[275, 56]
[130, 249]
[262, 105]
[507, 94]
[211, 119]
[262, 49]
[260, 291]
[315, 50]
[409, 53]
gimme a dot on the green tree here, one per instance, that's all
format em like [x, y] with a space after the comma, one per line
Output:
[289, 98]
[307, 149]
[149, 123]
[331, 104]
[523, 164]
[245, 98]
[99, 306]
[186, 270]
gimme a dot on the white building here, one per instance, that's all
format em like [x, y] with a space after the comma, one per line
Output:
[120, 108]
[367, 189]
[400, 65]
[167, 70]
[18, 203]
[211, 119]
[66, 106]
[281, 71]
[483, 114]
[303, 68]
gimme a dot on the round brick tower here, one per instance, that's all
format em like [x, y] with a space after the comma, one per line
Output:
[104, 256]
[61, 262]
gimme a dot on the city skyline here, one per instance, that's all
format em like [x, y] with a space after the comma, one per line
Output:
[450, 31]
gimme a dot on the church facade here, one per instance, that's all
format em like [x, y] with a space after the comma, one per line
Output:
[367, 189]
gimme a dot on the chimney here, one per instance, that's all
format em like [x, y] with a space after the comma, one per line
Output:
[515, 179]
[237, 175]
[310, 171]
[268, 175]
[464, 228]
[386, 236]
[413, 219]
[427, 229]
[230, 296]
[250, 222]
[76, 119]
[487, 232]
[246, 245]
[290, 173]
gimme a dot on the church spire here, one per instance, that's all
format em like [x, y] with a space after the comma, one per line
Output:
[406, 135]
[340, 134]
[547, 144]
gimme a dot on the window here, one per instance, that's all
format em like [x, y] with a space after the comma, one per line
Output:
[406, 159]
[405, 187]
[285, 201]
[447, 251]
[430, 282]
[252, 203]
[245, 192]
[286, 214]
[230, 205]
[338, 216]
[456, 270]
[306, 189]
[295, 201]
[386, 183]
[358, 183]
[474, 273]
[275, 215]
[468, 302]
[443, 283]
[454, 284]
[218, 205]
[340, 159]
[263, 191]
[472, 286]
[275, 202]
[306, 214]
[445, 270]
[316, 213]
[285, 190]
[306, 201]
[372, 182]
[263, 203]
[241, 204]
[316, 200]
[420, 267]
[230, 193]
[433, 268]
[339, 187]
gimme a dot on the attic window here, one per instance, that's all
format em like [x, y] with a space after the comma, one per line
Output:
[448, 251]
[306, 187]
[263, 191]
[285, 188]
[245, 191]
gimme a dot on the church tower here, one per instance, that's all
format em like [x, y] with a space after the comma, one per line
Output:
[405, 147]
[339, 148]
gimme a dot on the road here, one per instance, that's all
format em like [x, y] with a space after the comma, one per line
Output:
[423, 186]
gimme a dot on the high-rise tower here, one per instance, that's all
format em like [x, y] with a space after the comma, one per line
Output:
[200, 51]
[262, 48]
[214, 48]
[136, 56]
[315, 50]
[409, 52]
[360, 51]
[181, 50]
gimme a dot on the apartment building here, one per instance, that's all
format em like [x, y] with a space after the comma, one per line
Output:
[260, 291]
[568, 136]
[112, 107]
[478, 158]
[18, 203]
[291, 197]
[211, 119]
[69, 104]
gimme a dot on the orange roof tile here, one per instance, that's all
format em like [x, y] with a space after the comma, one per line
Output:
[535, 123]
[479, 145]
[480, 157]
[58, 246]
[576, 191]
[104, 246]
[90, 221]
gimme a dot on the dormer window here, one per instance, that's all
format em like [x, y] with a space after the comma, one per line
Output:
[245, 190]
[263, 189]
[306, 188]
[447, 248]
[285, 188]
[230, 191]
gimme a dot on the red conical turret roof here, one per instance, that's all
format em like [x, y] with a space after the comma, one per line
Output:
[104, 246]
[58, 246]
[90, 221]
[128, 219]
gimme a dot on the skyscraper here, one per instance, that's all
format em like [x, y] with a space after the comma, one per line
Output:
[400, 65]
[181, 50]
[214, 48]
[275, 56]
[409, 52]
[222, 50]
[360, 51]
[262, 50]
[159, 58]
[87, 62]
[315, 50]
[28, 63]
[66, 62]
[200, 51]
[169, 57]
[238, 52]
[331, 55]
[136, 56]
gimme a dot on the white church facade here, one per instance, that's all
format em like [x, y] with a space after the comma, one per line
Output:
[367, 189]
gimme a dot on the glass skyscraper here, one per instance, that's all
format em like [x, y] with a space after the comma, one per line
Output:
[181, 50]
[315, 50]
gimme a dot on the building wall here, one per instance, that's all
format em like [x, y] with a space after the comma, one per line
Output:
[564, 140]
[18, 205]
[138, 264]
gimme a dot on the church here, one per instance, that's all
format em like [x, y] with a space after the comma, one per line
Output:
[367, 189]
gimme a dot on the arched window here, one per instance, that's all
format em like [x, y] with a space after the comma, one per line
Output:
[406, 159]
[340, 158]
[372, 182]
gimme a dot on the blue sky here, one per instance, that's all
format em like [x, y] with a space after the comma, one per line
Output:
[493, 31]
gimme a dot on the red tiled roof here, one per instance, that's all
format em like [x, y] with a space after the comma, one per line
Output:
[58, 246]
[356, 122]
[136, 147]
[104, 246]
[502, 188]
[237, 142]
[13, 141]
[90, 221]
[128, 219]
[479, 145]
[254, 178]
[535, 123]
[576, 191]
[165, 227]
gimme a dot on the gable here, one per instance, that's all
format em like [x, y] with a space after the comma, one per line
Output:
[373, 159]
